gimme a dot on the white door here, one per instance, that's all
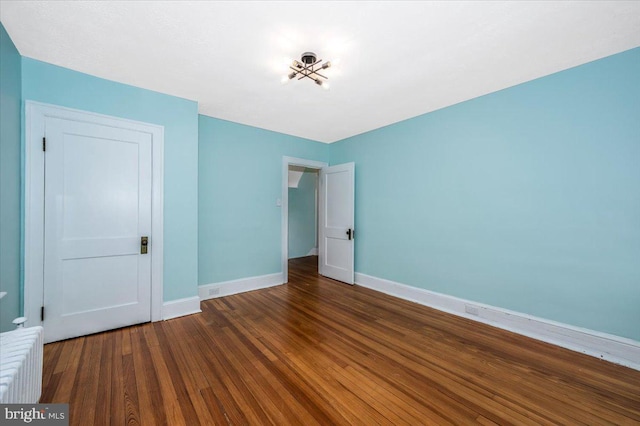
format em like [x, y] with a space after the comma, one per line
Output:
[97, 208]
[337, 200]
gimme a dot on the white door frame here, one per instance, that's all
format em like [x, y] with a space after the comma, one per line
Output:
[286, 162]
[35, 116]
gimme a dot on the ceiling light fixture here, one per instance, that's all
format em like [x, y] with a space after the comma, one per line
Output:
[308, 67]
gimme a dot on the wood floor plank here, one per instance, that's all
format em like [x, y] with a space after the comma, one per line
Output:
[117, 409]
[310, 378]
[85, 389]
[231, 380]
[316, 351]
[52, 357]
[150, 403]
[179, 370]
[131, 401]
[252, 375]
[62, 393]
[126, 340]
[214, 392]
[105, 377]
[170, 403]
[259, 370]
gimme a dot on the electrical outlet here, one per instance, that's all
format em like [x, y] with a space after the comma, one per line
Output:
[470, 309]
[214, 291]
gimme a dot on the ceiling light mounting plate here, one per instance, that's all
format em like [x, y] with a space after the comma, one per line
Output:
[308, 58]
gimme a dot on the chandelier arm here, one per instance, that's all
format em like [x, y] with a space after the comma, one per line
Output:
[310, 66]
[319, 75]
[305, 73]
[311, 75]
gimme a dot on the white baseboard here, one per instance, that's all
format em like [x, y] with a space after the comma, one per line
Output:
[312, 252]
[181, 307]
[227, 288]
[618, 350]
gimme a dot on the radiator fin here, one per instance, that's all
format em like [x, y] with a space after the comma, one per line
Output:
[21, 353]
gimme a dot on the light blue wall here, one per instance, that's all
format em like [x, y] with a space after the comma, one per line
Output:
[302, 216]
[48, 83]
[10, 88]
[526, 199]
[240, 178]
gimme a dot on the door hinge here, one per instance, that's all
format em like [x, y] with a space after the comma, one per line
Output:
[42, 313]
[44, 144]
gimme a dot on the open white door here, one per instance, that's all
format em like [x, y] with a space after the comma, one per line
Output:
[337, 199]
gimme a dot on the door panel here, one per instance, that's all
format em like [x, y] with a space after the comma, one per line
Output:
[99, 166]
[336, 222]
[339, 196]
[109, 276]
[97, 206]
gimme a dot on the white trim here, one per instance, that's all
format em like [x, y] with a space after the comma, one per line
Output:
[611, 348]
[181, 307]
[35, 115]
[312, 252]
[227, 288]
[286, 162]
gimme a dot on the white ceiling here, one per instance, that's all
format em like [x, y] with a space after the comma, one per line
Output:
[396, 59]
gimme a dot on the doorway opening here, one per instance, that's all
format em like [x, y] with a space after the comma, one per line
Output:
[303, 218]
[300, 212]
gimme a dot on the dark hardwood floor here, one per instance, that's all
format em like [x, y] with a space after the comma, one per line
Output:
[316, 351]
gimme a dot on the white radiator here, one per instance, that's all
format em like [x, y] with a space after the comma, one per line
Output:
[21, 353]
